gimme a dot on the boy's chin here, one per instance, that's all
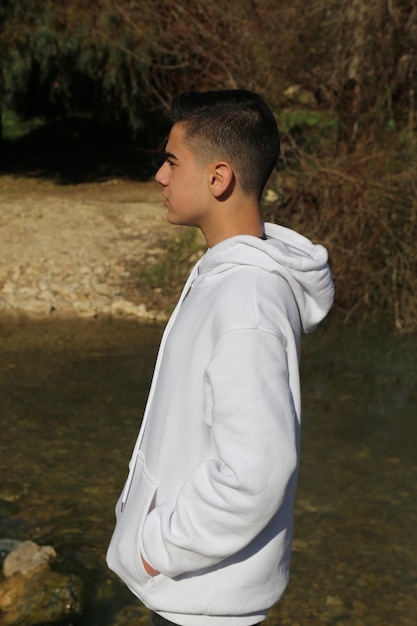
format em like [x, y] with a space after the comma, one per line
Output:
[177, 221]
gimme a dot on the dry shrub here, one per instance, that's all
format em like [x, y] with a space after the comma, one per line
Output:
[364, 212]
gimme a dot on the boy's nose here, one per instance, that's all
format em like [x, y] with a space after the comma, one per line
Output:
[161, 175]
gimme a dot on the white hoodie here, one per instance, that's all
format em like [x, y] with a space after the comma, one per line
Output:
[209, 496]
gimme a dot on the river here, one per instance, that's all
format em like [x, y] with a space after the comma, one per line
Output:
[71, 397]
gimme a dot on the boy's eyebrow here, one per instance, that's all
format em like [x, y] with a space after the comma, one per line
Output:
[169, 155]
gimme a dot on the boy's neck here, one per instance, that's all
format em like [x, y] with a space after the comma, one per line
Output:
[231, 222]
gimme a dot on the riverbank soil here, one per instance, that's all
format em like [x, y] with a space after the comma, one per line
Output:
[76, 249]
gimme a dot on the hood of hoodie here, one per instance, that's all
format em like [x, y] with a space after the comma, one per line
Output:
[286, 253]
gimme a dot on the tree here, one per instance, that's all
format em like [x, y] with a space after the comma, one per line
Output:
[126, 58]
[56, 61]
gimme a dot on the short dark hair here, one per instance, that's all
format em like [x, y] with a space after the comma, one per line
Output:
[234, 124]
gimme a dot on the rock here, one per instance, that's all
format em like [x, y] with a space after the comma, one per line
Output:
[298, 95]
[28, 556]
[124, 307]
[270, 196]
[8, 287]
[131, 614]
[41, 597]
[31, 593]
[6, 546]
[35, 307]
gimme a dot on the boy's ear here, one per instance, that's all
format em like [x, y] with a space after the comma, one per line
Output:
[222, 179]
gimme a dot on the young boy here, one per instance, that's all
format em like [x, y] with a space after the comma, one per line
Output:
[203, 533]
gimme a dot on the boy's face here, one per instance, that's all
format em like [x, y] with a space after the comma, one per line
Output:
[185, 181]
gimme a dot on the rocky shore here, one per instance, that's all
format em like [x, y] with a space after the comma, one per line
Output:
[75, 250]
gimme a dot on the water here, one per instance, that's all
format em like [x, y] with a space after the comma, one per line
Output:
[71, 396]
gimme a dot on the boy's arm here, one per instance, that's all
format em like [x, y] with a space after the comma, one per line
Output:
[232, 497]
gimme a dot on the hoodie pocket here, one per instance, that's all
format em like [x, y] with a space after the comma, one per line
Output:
[123, 554]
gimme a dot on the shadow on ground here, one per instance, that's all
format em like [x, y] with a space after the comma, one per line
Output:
[75, 151]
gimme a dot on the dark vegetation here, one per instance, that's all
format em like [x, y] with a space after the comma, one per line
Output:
[341, 76]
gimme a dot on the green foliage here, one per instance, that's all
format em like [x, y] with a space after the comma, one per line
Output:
[162, 282]
[321, 120]
[14, 128]
[63, 59]
[307, 130]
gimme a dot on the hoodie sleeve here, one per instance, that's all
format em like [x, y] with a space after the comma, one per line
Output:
[230, 498]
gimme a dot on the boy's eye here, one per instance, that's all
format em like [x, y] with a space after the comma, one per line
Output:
[165, 159]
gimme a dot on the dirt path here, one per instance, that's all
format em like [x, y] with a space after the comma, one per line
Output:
[72, 250]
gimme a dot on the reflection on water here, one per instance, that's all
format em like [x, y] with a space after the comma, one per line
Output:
[71, 396]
